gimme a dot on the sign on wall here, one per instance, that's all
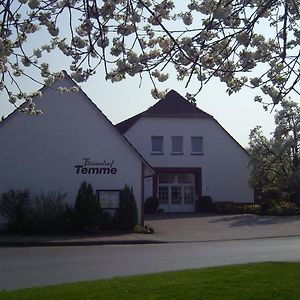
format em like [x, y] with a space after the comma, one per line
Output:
[89, 166]
[109, 199]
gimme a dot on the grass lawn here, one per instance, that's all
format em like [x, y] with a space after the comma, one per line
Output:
[260, 281]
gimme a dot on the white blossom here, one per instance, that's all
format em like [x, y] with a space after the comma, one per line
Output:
[12, 99]
[156, 94]
[160, 76]
[103, 42]
[187, 18]
[228, 41]
[37, 53]
[78, 42]
[26, 61]
[49, 80]
[243, 38]
[33, 3]
[255, 81]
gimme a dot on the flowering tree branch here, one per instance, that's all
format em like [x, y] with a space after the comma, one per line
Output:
[252, 43]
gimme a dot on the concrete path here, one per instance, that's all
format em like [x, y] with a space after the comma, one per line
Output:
[176, 228]
[199, 227]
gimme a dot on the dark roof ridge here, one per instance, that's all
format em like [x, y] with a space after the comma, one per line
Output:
[172, 105]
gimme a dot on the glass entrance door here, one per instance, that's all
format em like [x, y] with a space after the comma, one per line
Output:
[176, 192]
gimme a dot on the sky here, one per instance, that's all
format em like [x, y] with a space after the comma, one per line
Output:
[237, 113]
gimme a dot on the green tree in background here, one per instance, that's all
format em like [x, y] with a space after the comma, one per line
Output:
[275, 162]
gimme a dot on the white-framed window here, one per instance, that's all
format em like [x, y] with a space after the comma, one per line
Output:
[157, 144]
[197, 145]
[177, 145]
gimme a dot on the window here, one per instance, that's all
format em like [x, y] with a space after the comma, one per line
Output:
[157, 144]
[188, 194]
[163, 195]
[177, 145]
[185, 178]
[197, 144]
[176, 195]
[166, 178]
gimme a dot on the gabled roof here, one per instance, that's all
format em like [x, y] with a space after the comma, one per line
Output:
[88, 101]
[173, 105]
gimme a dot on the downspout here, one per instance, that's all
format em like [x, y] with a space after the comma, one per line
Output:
[142, 195]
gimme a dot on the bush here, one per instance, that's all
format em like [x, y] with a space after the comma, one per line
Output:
[106, 221]
[15, 205]
[49, 214]
[269, 200]
[151, 205]
[228, 208]
[206, 204]
[268, 204]
[87, 208]
[127, 214]
[146, 229]
[283, 208]
[295, 197]
[49, 205]
[252, 209]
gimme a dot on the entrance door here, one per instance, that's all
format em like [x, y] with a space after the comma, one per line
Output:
[176, 192]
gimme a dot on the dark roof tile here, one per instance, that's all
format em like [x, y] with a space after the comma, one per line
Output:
[173, 105]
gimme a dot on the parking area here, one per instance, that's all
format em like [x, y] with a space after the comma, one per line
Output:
[174, 228]
[189, 227]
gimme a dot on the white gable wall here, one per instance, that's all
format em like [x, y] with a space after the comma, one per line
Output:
[224, 162]
[40, 152]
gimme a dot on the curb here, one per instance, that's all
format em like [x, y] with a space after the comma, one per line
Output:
[130, 242]
[79, 243]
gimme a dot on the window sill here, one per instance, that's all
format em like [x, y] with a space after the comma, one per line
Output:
[157, 153]
[177, 153]
[196, 153]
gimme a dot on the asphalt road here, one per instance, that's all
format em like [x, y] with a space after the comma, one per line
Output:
[36, 266]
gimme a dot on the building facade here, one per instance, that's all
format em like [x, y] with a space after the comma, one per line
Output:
[173, 150]
[71, 142]
[191, 153]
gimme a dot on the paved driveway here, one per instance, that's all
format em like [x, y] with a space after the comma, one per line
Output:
[184, 227]
[202, 227]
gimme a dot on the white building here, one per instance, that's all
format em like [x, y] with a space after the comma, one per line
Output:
[70, 142]
[192, 154]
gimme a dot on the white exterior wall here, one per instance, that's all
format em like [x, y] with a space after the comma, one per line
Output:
[40, 152]
[224, 163]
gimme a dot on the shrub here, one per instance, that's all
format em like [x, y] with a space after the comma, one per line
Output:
[228, 208]
[15, 205]
[267, 205]
[49, 205]
[269, 200]
[206, 204]
[87, 208]
[51, 214]
[106, 221]
[127, 215]
[151, 205]
[283, 208]
[48, 215]
[146, 229]
[252, 209]
[295, 197]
